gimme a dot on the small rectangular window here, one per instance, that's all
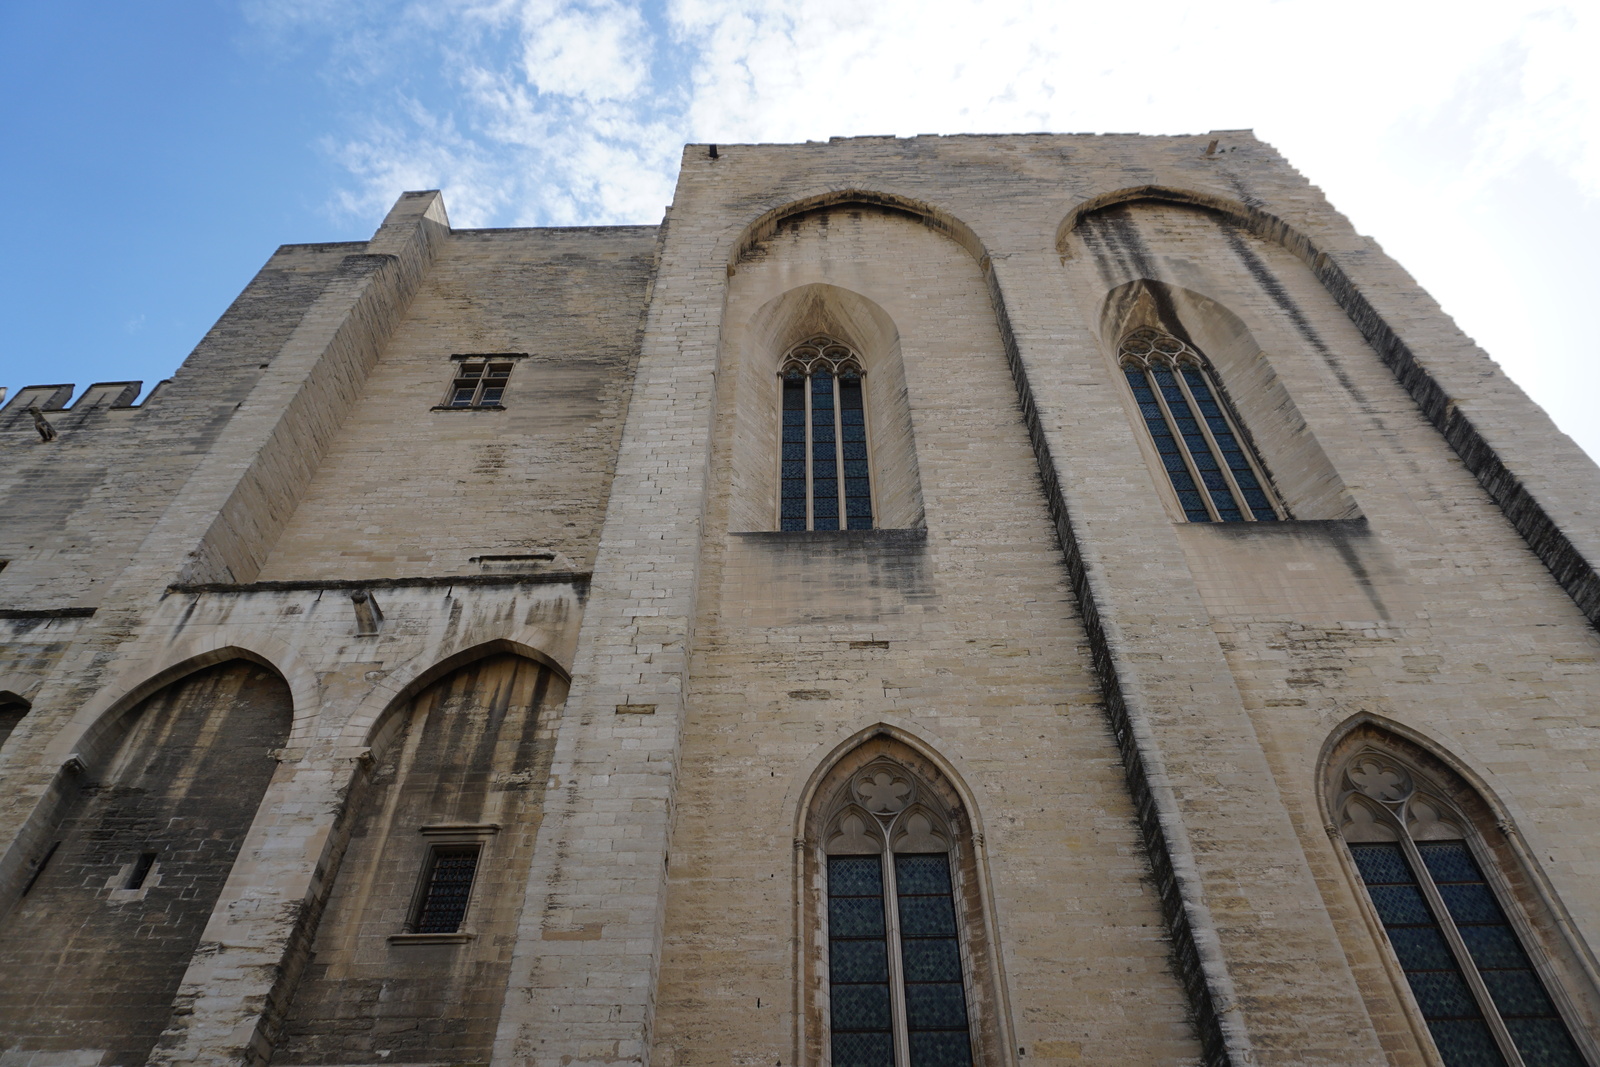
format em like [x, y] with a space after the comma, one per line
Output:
[140, 871]
[478, 383]
[446, 889]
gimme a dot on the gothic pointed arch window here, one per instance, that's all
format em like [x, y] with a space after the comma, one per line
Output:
[1473, 956]
[825, 481]
[901, 977]
[1207, 457]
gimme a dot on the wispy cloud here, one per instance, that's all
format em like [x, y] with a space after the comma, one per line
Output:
[551, 112]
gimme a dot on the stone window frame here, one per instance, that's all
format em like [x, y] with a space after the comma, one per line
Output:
[1246, 486]
[437, 838]
[841, 362]
[837, 798]
[479, 383]
[1389, 790]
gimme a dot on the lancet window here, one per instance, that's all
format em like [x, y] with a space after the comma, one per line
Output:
[825, 482]
[1205, 455]
[1461, 942]
[898, 995]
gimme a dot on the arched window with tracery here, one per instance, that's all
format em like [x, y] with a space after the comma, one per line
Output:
[826, 481]
[902, 971]
[1471, 954]
[1205, 454]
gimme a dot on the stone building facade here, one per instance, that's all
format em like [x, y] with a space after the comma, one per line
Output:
[1167, 640]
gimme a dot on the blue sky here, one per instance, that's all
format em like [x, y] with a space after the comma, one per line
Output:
[155, 154]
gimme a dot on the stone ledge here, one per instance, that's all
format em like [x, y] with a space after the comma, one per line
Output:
[311, 585]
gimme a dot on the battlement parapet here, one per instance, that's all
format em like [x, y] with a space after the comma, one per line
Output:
[52, 400]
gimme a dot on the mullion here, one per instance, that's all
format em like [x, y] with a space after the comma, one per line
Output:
[1451, 1010]
[1204, 462]
[1172, 459]
[1247, 481]
[1524, 1006]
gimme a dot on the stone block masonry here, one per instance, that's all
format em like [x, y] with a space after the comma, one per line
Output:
[1134, 712]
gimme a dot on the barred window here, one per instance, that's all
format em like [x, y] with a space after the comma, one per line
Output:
[896, 989]
[1206, 457]
[446, 889]
[825, 481]
[1467, 966]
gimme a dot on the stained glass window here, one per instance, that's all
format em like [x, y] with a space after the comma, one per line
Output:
[825, 481]
[898, 995]
[1202, 450]
[1468, 970]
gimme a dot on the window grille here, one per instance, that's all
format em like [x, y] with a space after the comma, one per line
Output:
[896, 988]
[479, 383]
[1205, 455]
[447, 890]
[825, 481]
[1468, 969]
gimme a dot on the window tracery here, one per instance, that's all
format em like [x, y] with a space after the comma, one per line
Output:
[898, 995]
[1205, 455]
[1449, 921]
[825, 481]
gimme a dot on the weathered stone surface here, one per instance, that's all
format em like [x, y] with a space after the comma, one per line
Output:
[1134, 710]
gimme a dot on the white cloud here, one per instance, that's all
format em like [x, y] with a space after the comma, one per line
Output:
[1428, 123]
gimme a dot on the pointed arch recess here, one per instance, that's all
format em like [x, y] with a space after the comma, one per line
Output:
[394, 693]
[883, 791]
[1528, 515]
[822, 310]
[1299, 472]
[935, 218]
[1381, 783]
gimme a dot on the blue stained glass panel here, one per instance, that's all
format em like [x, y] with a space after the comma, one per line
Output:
[858, 969]
[1471, 904]
[936, 1006]
[1400, 904]
[1441, 990]
[940, 1048]
[859, 1007]
[863, 1050]
[858, 961]
[855, 876]
[1518, 993]
[1382, 865]
[1465, 1043]
[855, 917]
[1421, 948]
[1544, 1042]
[1194, 508]
[1450, 861]
[1442, 994]
[932, 960]
[927, 916]
[1520, 997]
[918, 874]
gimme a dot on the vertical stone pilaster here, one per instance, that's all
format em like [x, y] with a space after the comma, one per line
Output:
[583, 974]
